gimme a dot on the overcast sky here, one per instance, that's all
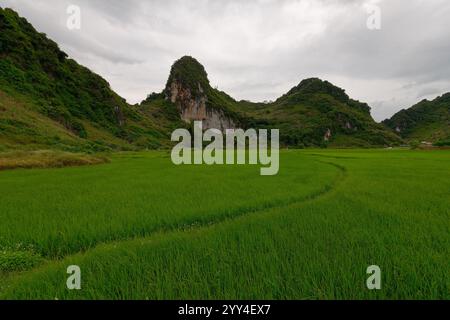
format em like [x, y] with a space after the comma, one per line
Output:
[257, 50]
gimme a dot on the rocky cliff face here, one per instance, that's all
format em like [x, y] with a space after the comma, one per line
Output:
[195, 108]
[189, 89]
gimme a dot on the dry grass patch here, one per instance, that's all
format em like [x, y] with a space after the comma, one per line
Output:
[47, 159]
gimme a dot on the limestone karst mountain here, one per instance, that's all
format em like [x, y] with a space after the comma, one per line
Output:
[314, 113]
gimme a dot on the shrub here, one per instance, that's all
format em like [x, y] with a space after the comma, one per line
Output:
[18, 260]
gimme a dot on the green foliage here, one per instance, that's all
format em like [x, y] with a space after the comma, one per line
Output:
[315, 86]
[190, 73]
[425, 121]
[38, 68]
[18, 260]
[414, 144]
[443, 143]
[33, 66]
[163, 111]
[154, 96]
[306, 113]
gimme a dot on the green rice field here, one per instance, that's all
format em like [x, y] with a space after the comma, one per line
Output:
[140, 227]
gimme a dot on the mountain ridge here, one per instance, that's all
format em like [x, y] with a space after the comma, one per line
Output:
[330, 116]
[79, 111]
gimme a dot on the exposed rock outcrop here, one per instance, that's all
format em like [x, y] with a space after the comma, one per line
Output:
[193, 108]
[327, 135]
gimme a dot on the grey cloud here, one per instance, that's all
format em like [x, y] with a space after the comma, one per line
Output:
[258, 49]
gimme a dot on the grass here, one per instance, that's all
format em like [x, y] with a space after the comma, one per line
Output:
[23, 126]
[72, 107]
[46, 159]
[141, 228]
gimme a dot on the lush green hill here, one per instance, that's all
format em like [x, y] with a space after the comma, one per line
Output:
[317, 113]
[48, 99]
[425, 121]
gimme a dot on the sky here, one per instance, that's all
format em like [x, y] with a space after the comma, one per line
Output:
[258, 49]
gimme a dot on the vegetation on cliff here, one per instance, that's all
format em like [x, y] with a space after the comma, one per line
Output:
[317, 113]
[314, 113]
[40, 77]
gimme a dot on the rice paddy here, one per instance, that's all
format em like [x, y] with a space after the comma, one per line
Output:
[140, 227]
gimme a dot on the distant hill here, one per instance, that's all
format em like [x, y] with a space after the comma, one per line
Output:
[47, 99]
[426, 121]
[317, 113]
[314, 113]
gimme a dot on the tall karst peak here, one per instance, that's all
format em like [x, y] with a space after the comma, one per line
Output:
[190, 74]
[189, 89]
